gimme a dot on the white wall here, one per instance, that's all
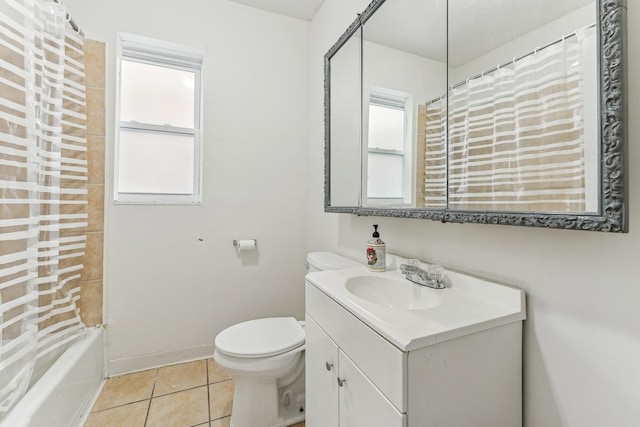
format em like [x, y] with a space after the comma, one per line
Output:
[582, 335]
[387, 68]
[173, 278]
[528, 42]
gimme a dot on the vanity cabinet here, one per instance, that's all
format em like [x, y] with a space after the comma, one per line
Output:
[338, 393]
[355, 377]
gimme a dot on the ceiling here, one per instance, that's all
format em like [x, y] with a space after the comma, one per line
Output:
[301, 9]
[420, 26]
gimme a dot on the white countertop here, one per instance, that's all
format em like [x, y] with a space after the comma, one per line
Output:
[466, 305]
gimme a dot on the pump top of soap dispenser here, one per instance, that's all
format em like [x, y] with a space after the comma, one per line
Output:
[375, 237]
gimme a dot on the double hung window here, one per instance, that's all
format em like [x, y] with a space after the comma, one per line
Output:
[389, 150]
[159, 143]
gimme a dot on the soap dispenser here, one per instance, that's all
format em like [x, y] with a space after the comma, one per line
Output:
[376, 248]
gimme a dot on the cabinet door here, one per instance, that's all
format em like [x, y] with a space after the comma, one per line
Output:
[361, 403]
[321, 364]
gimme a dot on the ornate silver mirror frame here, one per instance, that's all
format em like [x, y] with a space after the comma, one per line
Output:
[612, 216]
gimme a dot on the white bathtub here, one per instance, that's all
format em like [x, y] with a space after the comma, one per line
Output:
[63, 396]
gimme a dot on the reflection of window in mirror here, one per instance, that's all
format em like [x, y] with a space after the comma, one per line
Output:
[389, 149]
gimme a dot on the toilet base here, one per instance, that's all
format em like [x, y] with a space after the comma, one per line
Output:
[261, 403]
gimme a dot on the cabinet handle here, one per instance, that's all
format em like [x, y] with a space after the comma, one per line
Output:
[341, 381]
[328, 366]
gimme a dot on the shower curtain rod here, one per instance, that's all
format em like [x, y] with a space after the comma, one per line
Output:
[71, 21]
[518, 58]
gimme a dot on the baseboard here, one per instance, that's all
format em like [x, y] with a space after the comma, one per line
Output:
[156, 360]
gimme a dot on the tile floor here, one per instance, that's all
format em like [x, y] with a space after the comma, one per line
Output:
[194, 394]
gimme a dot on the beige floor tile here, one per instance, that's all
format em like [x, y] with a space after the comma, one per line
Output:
[180, 377]
[302, 424]
[132, 415]
[221, 422]
[182, 409]
[216, 373]
[125, 389]
[221, 399]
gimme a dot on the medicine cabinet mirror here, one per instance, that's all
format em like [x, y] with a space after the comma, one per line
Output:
[503, 112]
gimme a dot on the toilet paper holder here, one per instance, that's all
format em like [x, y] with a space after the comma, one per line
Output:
[237, 242]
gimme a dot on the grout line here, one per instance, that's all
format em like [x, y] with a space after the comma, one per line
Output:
[180, 391]
[146, 418]
[162, 395]
[119, 406]
[208, 393]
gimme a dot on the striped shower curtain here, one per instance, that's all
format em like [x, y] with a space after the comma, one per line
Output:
[432, 154]
[43, 193]
[516, 135]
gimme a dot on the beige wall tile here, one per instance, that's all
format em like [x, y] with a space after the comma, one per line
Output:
[132, 415]
[91, 302]
[93, 257]
[216, 374]
[95, 159]
[181, 377]
[94, 63]
[95, 111]
[92, 287]
[184, 408]
[95, 195]
[221, 399]
[126, 389]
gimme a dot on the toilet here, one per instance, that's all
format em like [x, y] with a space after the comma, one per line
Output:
[266, 359]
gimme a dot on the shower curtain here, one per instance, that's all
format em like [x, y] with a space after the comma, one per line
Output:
[43, 193]
[433, 124]
[516, 135]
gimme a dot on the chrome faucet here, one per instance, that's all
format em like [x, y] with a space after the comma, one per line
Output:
[431, 278]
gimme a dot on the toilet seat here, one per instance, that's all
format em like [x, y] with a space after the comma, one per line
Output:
[260, 338]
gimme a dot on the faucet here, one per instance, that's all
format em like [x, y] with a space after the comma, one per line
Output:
[431, 278]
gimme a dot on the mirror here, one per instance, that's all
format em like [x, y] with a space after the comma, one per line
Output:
[523, 106]
[402, 71]
[345, 117]
[504, 112]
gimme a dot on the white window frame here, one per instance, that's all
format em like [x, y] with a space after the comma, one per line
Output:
[172, 55]
[401, 101]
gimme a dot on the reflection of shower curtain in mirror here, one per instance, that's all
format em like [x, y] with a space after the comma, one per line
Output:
[516, 134]
[432, 125]
[43, 189]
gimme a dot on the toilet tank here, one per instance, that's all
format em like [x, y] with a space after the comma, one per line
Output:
[320, 261]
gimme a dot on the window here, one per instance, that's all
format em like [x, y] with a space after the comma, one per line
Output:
[158, 149]
[389, 149]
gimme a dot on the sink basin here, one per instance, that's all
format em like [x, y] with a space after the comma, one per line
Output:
[411, 316]
[390, 292]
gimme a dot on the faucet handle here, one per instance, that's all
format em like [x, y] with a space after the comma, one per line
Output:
[435, 272]
[409, 268]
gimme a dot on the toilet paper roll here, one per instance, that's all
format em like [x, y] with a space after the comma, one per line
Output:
[246, 245]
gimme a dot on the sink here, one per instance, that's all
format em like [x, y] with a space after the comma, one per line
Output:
[391, 292]
[411, 316]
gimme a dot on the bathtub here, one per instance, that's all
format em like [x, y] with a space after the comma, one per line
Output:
[63, 396]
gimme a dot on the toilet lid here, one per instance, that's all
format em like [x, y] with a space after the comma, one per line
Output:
[261, 337]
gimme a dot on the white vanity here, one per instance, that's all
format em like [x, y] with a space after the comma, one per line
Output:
[384, 352]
